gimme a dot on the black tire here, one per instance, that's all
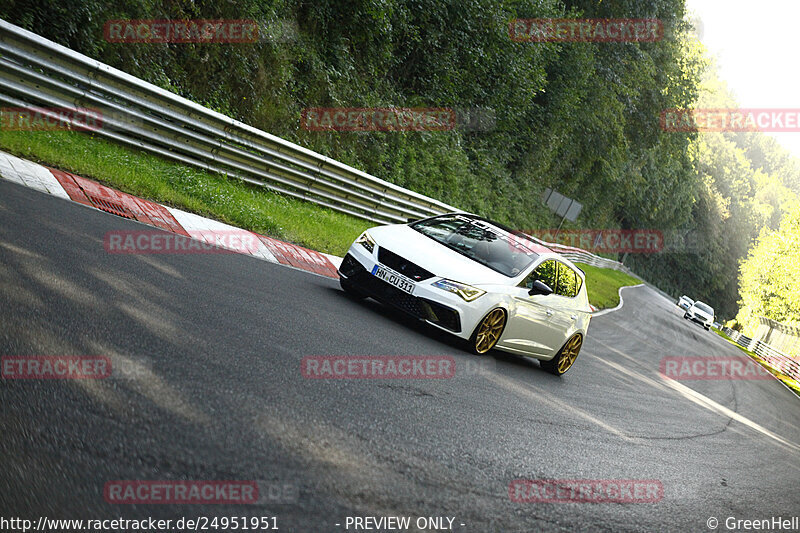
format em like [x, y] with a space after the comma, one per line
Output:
[685, 315]
[558, 365]
[351, 290]
[488, 326]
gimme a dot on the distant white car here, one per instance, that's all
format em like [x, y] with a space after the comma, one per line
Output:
[478, 280]
[684, 302]
[700, 313]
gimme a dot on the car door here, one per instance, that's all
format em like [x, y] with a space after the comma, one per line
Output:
[564, 304]
[531, 328]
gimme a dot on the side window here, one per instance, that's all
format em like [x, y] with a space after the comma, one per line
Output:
[547, 273]
[567, 281]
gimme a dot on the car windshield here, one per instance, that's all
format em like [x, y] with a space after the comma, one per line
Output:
[482, 241]
[703, 307]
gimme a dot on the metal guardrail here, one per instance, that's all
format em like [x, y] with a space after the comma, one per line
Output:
[37, 72]
[778, 361]
[783, 337]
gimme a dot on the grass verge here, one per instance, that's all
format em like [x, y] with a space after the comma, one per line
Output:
[603, 285]
[791, 383]
[191, 189]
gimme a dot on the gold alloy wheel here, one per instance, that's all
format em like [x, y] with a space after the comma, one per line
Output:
[569, 353]
[489, 331]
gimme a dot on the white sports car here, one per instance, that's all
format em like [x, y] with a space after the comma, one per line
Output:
[684, 302]
[701, 313]
[478, 280]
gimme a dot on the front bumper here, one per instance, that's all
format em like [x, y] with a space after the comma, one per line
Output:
[440, 308]
[700, 320]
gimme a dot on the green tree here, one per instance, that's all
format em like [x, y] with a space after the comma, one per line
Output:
[770, 279]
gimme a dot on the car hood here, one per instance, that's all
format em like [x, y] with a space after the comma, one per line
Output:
[703, 314]
[434, 257]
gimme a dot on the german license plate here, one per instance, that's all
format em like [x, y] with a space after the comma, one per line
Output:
[393, 278]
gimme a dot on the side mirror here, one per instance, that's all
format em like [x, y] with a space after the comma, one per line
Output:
[539, 287]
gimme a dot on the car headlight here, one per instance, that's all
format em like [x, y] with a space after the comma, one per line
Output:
[366, 241]
[467, 292]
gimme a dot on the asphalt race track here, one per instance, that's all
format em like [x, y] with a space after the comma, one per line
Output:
[207, 386]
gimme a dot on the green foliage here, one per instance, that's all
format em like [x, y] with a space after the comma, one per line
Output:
[770, 279]
[603, 285]
[734, 325]
[743, 182]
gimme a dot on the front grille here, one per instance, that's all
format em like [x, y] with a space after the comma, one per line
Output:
[349, 266]
[421, 308]
[404, 266]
